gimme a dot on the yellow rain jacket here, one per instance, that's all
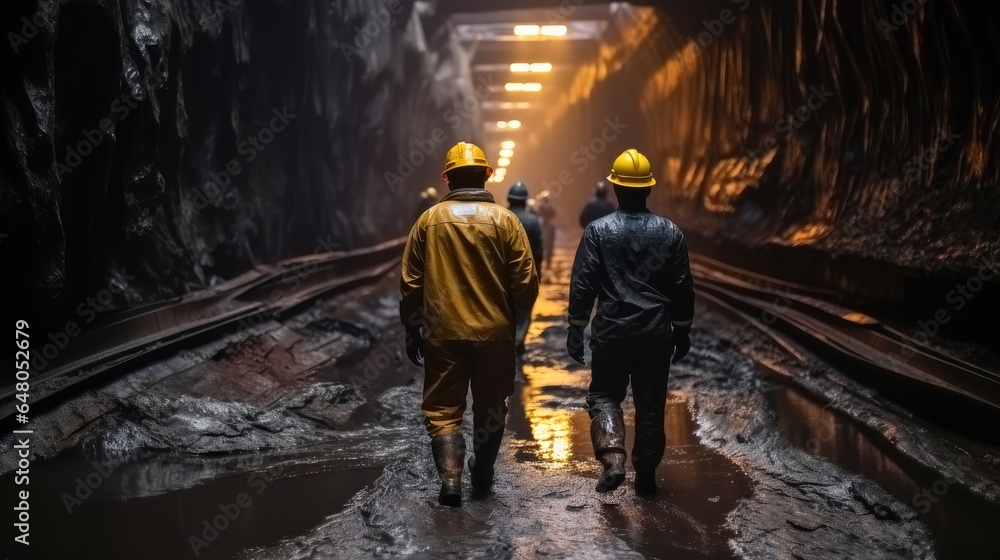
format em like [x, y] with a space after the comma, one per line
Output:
[467, 264]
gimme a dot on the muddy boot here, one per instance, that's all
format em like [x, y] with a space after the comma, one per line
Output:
[449, 455]
[645, 483]
[607, 432]
[481, 465]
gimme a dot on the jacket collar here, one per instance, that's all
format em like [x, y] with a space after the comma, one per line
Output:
[474, 195]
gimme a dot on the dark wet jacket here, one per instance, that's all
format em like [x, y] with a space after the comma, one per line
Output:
[596, 209]
[635, 264]
[533, 228]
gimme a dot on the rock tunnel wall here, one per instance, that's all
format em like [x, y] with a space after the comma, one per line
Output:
[858, 131]
[161, 146]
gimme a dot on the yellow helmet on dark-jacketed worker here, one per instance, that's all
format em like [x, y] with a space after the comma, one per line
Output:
[632, 169]
[465, 154]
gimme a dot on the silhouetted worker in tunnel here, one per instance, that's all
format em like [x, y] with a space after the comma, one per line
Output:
[635, 264]
[598, 206]
[517, 197]
[466, 267]
[546, 211]
[428, 198]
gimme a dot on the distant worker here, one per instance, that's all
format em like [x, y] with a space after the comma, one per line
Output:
[517, 197]
[546, 211]
[598, 206]
[466, 266]
[635, 264]
[428, 198]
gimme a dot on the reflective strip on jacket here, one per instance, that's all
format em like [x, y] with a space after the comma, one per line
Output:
[635, 264]
[466, 265]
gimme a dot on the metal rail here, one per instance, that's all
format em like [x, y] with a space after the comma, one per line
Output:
[124, 342]
[864, 341]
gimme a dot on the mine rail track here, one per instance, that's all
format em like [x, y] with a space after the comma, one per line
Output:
[125, 341]
[877, 352]
[777, 308]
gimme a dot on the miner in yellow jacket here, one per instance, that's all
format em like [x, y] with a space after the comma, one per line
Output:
[466, 267]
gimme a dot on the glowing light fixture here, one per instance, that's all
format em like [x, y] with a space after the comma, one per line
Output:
[530, 30]
[522, 67]
[514, 124]
[507, 144]
[518, 86]
[503, 162]
[501, 124]
[507, 153]
[551, 30]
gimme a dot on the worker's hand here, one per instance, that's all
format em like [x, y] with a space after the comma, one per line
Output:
[415, 346]
[574, 344]
[680, 343]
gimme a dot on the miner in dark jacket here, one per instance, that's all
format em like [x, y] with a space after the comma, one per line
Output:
[598, 206]
[635, 264]
[517, 197]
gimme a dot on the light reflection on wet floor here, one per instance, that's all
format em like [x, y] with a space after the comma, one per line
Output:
[698, 486]
[954, 515]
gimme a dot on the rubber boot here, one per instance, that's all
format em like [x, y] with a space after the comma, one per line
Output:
[449, 456]
[645, 483]
[481, 464]
[607, 432]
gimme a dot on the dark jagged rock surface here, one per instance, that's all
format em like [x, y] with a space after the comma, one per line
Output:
[180, 143]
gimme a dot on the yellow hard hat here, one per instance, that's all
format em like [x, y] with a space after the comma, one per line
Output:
[465, 154]
[632, 169]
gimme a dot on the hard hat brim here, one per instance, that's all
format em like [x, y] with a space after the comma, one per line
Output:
[637, 182]
[444, 174]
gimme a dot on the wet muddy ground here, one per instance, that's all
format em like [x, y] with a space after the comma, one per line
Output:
[302, 439]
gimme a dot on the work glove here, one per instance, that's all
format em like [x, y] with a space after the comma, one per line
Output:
[574, 344]
[680, 343]
[415, 346]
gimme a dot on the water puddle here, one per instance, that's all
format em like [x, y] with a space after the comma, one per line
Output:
[956, 517]
[698, 486]
[78, 512]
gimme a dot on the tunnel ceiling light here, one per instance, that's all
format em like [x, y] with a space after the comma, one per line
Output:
[507, 153]
[553, 30]
[514, 123]
[507, 144]
[503, 162]
[522, 67]
[528, 30]
[518, 86]
[501, 124]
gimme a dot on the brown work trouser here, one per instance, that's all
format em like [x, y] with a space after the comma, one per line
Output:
[450, 366]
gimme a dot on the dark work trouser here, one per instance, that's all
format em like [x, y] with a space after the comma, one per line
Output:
[647, 367]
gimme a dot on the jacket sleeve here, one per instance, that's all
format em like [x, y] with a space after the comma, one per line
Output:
[584, 282]
[411, 285]
[521, 267]
[682, 286]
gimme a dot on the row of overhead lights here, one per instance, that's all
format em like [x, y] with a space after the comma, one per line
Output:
[506, 152]
[507, 146]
